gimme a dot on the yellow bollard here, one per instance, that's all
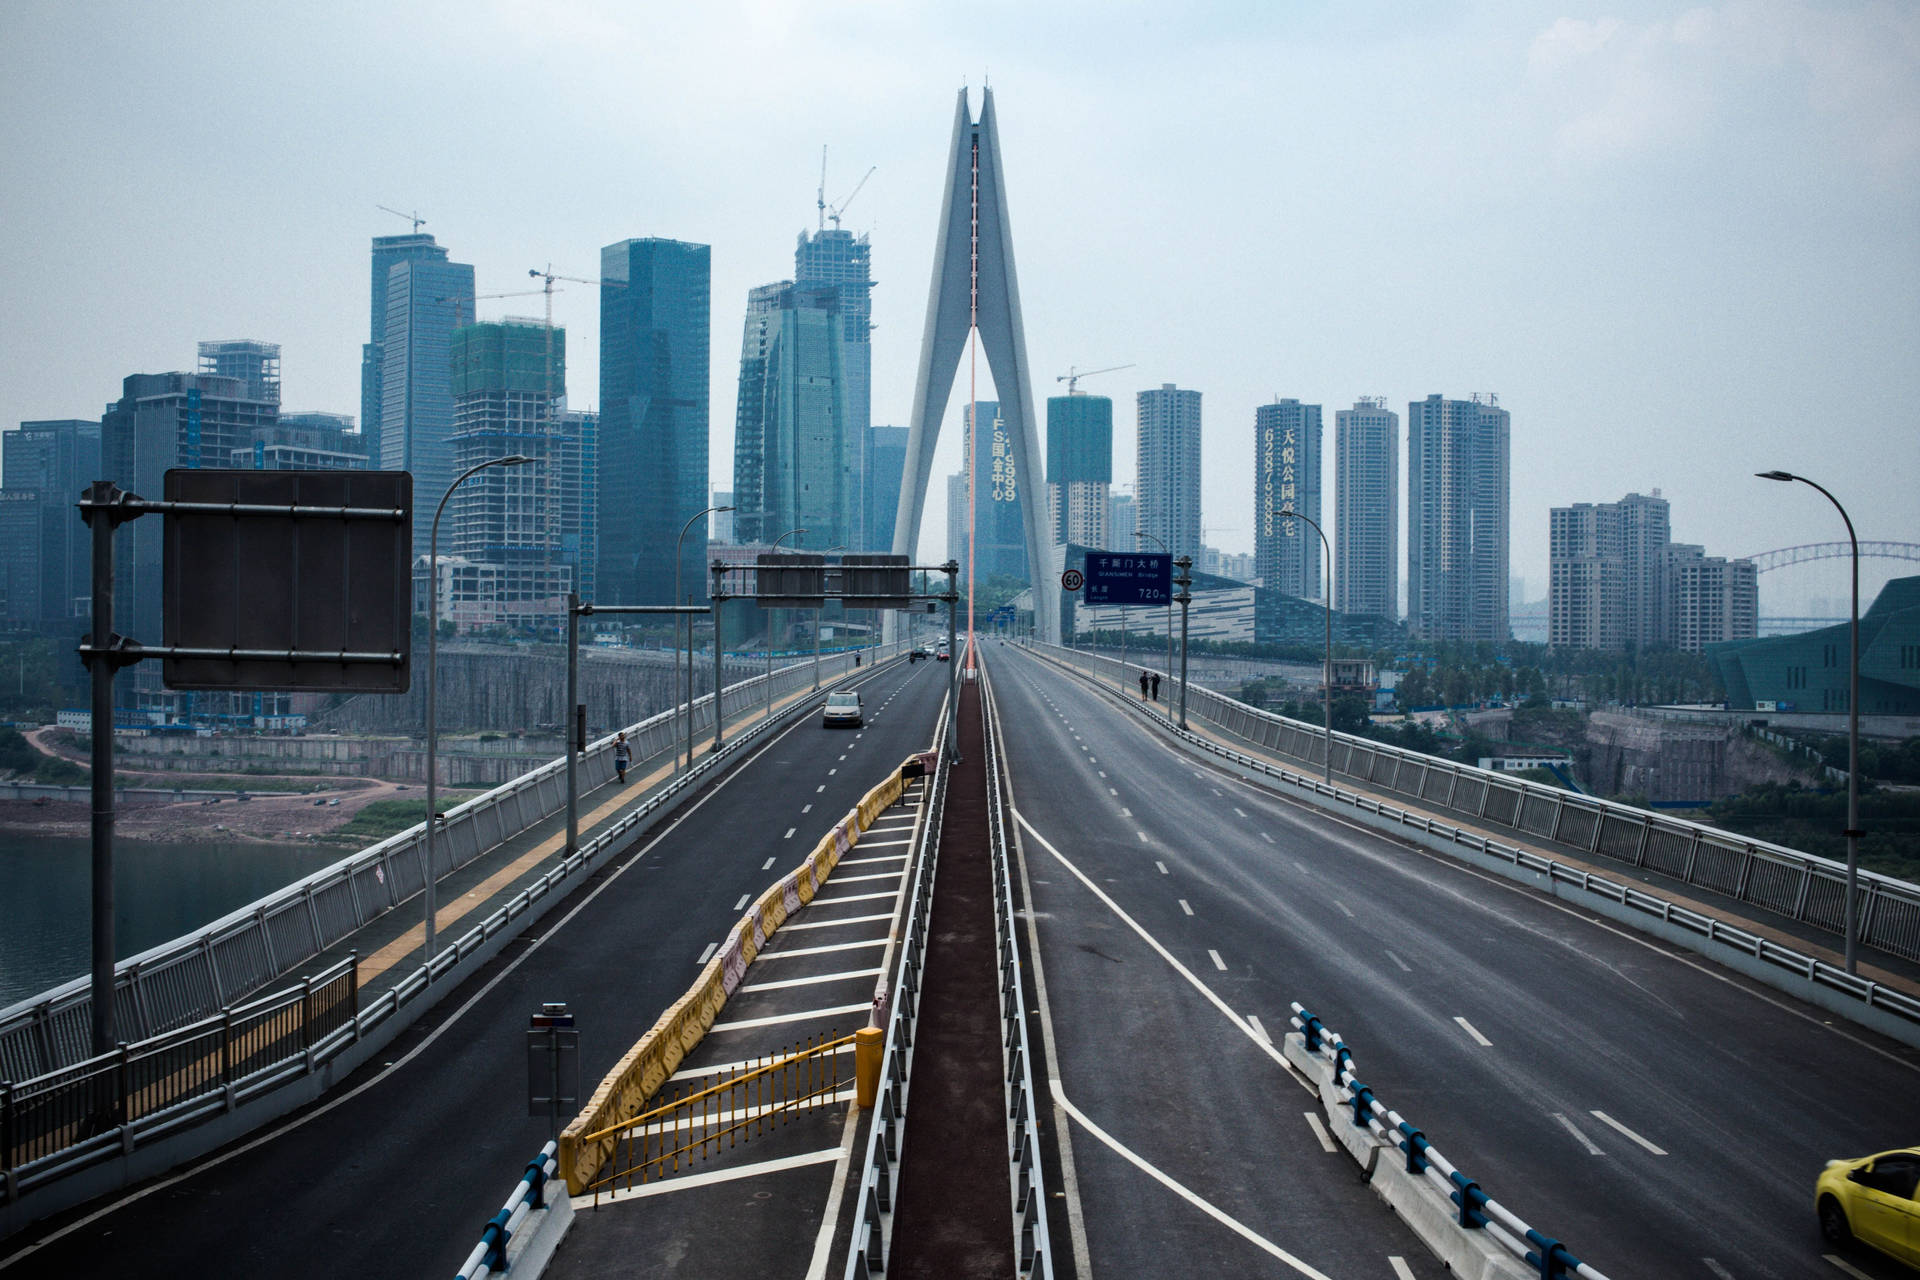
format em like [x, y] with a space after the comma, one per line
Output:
[869, 1045]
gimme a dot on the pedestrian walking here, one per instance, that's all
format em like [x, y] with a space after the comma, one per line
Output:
[622, 757]
[1144, 685]
[1156, 686]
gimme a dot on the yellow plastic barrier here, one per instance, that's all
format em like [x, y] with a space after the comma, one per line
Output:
[588, 1142]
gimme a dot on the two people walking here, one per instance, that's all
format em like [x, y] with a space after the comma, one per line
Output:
[1150, 686]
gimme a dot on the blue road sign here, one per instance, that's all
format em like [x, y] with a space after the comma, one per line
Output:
[1128, 578]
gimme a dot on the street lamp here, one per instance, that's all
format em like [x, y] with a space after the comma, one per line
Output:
[1853, 726]
[1163, 547]
[1327, 675]
[773, 616]
[433, 657]
[676, 600]
[816, 632]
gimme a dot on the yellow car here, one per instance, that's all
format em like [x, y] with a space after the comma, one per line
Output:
[1871, 1200]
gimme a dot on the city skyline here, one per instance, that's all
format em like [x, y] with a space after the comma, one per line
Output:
[1592, 222]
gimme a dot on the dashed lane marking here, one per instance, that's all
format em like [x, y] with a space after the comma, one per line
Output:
[1578, 1136]
[1242, 812]
[1625, 1132]
[1481, 1040]
[1184, 907]
[767, 865]
[1266, 837]
[1345, 910]
[1401, 1271]
[1404, 966]
[708, 953]
[807, 807]
[1161, 865]
[1846, 1268]
[789, 835]
[1125, 812]
[1218, 963]
[1320, 1133]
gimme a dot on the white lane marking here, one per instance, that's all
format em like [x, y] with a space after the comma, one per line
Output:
[1401, 1271]
[885, 844]
[789, 835]
[688, 1181]
[1095, 760]
[1344, 908]
[741, 905]
[821, 950]
[1258, 1030]
[1142, 835]
[1218, 963]
[1217, 791]
[1242, 812]
[816, 980]
[1172, 960]
[1184, 907]
[831, 772]
[1625, 1132]
[1112, 792]
[1101, 772]
[1719, 1271]
[1300, 864]
[1579, 1137]
[1125, 812]
[878, 857]
[1479, 1039]
[1244, 1232]
[747, 1024]
[878, 875]
[1846, 1268]
[1404, 966]
[852, 897]
[823, 1243]
[767, 865]
[1266, 837]
[708, 953]
[822, 787]
[835, 924]
[805, 808]
[1320, 1133]
[1161, 865]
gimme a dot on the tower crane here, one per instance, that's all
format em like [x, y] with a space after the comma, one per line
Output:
[417, 221]
[459, 301]
[1072, 376]
[547, 278]
[835, 210]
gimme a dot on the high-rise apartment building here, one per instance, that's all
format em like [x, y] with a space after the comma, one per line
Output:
[255, 364]
[1710, 599]
[1079, 468]
[24, 566]
[842, 261]
[884, 469]
[957, 520]
[1457, 509]
[387, 250]
[1366, 515]
[655, 341]
[1606, 586]
[427, 299]
[794, 462]
[1168, 490]
[55, 460]
[1286, 478]
[1123, 520]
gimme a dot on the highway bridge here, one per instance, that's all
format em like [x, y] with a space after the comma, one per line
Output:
[1648, 1096]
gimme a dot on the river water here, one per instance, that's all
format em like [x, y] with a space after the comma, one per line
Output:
[160, 892]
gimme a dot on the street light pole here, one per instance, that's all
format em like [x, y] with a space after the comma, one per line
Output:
[1327, 671]
[1853, 833]
[433, 672]
[773, 615]
[1169, 554]
[676, 600]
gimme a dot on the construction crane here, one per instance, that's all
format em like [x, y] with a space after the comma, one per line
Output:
[417, 221]
[1072, 376]
[835, 210]
[547, 278]
[459, 301]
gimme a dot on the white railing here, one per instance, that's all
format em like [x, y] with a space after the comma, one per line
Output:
[1797, 885]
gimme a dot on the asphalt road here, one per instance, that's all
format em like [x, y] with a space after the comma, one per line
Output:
[1661, 1116]
[400, 1176]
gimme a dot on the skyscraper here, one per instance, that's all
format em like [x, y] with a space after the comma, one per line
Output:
[1607, 585]
[1366, 486]
[1079, 468]
[655, 316]
[886, 461]
[1169, 470]
[1457, 502]
[56, 459]
[387, 250]
[1123, 518]
[1286, 477]
[427, 298]
[999, 492]
[256, 364]
[792, 467]
[842, 261]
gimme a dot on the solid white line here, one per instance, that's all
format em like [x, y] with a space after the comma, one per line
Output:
[881, 875]
[1479, 1039]
[1404, 966]
[821, 950]
[708, 953]
[823, 1242]
[1259, 1030]
[1846, 1268]
[879, 857]
[1244, 1232]
[1184, 907]
[1580, 1137]
[692, 1180]
[1161, 865]
[745, 898]
[1218, 963]
[747, 1024]
[1320, 1132]
[835, 924]
[851, 897]
[1625, 1132]
[809, 982]
[1401, 1271]
[885, 844]
[1345, 909]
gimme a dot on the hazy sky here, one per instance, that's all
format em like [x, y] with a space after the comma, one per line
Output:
[1681, 243]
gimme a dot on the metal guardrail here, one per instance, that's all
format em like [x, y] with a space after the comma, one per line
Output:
[192, 977]
[1033, 1249]
[287, 1058]
[1797, 885]
[1477, 1211]
[489, 1257]
[872, 1238]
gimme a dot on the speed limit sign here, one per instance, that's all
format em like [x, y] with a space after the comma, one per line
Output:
[1072, 580]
